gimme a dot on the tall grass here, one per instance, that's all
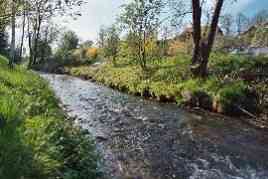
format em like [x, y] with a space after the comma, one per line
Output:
[231, 80]
[36, 141]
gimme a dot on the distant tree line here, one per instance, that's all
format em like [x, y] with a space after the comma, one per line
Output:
[34, 17]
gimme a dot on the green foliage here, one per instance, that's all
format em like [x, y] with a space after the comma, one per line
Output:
[232, 93]
[69, 41]
[3, 42]
[256, 36]
[86, 44]
[69, 54]
[4, 10]
[64, 57]
[129, 47]
[44, 50]
[226, 63]
[111, 43]
[35, 138]
[233, 96]
[141, 20]
[67, 45]
[169, 78]
[261, 38]
[15, 157]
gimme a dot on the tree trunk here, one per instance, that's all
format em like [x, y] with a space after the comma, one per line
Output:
[36, 39]
[196, 30]
[30, 45]
[144, 50]
[13, 34]
[202, 49]
[43, 52]
[214, 25]
[23, 33]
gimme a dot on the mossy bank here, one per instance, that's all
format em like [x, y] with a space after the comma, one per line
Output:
[36, 139]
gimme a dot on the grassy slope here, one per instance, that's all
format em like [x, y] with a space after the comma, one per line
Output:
[36, 141]
[169, 79]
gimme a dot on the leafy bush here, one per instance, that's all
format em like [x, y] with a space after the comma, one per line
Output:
[92, 53]
[69, 41]
[65, 57]
[232, 97]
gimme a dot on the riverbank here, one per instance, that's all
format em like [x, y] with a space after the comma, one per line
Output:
[145, 139]
[37, 139]
[237, 85]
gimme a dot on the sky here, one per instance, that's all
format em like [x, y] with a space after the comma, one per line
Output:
[96, 13]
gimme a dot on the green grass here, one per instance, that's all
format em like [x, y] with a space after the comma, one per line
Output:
[169, 78]
[36, 139]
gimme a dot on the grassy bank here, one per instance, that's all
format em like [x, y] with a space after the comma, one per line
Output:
[36, 139]
[236, 85]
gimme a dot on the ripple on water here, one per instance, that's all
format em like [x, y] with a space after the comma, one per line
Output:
[148, 140]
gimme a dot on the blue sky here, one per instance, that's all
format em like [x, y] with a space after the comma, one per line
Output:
[249, 7]
[103, 12]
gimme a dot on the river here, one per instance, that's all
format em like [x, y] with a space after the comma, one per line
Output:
[143, 139]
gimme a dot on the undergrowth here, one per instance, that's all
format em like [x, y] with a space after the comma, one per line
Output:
[231, 77]
[36, 139]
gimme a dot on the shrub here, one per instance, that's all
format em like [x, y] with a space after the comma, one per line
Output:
[92, 53]
[73, 57]
[233, 98]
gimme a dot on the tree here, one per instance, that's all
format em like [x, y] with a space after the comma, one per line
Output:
[13, 34]
[87, 44]
[164, 42]
[101, 37]
[15, 7]
[3, 42]
[178, 10]
[242, 23]
[141, 19]
[69, 41]
[203, 47]
[4, 14]
[227, 21]
[48, 35]
[41, 11]
[67, 44]
[23, 29]
[44, 51]
[111, 45]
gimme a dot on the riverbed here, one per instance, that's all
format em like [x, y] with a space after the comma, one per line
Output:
[143, 139]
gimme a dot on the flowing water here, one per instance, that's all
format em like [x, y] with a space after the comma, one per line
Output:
[141, 139]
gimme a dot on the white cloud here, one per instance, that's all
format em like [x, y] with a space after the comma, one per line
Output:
[94, 14]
